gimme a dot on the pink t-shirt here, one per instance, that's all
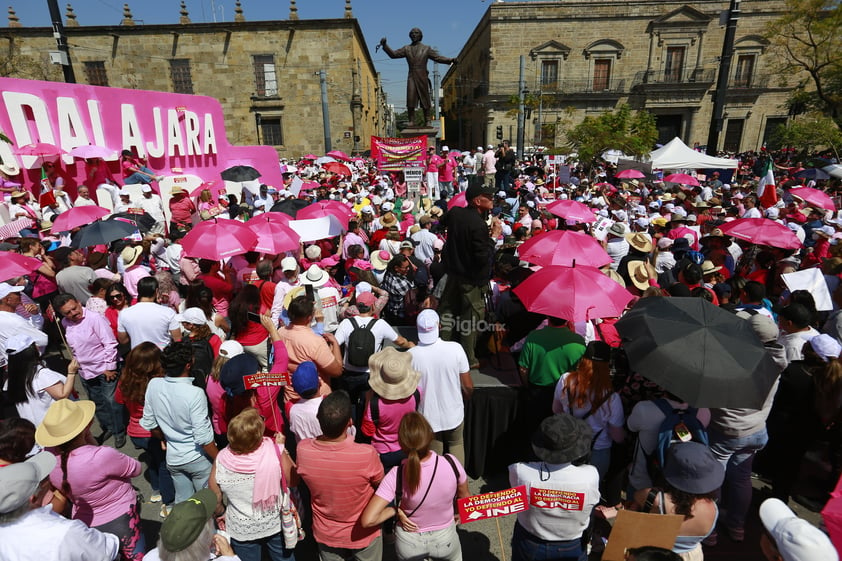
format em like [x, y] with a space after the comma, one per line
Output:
[215, 396]
[384, 437]
[100, 481]
[436, 511]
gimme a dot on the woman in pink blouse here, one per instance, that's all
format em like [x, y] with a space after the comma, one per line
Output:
[95, 480]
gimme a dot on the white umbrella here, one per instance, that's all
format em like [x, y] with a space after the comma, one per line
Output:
[324, 160]
[235, 187]
[834, 170]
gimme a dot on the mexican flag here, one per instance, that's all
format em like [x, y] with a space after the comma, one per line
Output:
[766, 186]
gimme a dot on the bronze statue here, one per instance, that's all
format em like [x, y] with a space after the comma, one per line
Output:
[418, 80]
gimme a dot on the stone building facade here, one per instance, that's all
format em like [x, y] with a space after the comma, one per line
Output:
[586, 57]
[264, 73]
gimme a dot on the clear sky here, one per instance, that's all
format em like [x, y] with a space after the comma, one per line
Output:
[446, 24]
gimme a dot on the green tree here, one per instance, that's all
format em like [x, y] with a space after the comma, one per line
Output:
[808, 45]
[810, 131]
[632, 132]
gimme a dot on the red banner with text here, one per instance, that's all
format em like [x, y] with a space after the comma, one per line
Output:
[393, 154]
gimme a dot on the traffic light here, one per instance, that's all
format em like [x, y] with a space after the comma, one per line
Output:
[499, 132]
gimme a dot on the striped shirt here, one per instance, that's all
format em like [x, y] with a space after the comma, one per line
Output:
[342, 477]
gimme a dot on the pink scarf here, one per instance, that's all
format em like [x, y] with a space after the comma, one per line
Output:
[265, 465]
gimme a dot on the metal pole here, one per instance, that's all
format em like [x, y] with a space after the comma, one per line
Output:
[539, 130]
[716, 118]
[521, 115]
[436, 89]
[61, 40]
[325, 110]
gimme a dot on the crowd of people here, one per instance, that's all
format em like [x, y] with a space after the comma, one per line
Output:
[322, 390]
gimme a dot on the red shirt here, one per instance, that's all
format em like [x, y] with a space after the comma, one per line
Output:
[222, 291]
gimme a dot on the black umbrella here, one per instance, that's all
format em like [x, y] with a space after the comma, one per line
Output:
[812, 173]
[701, 353]
[289, 206]
[534, 170]
[144, 221]
[103, 232]
[239, 174]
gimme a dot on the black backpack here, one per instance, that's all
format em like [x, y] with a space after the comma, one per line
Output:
[361, 343]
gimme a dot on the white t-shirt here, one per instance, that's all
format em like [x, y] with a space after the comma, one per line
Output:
[381, 330]
[148, 321]
[35, 408]
[609, 413]
[441, 365]
[560, 517]
[302, 418]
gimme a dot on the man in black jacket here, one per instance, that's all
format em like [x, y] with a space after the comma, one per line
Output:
[467, 257]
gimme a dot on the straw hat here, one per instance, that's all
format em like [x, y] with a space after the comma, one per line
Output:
[640, 242]
[177, 190]
[292, 294]
[16, 194]
[380, 259]
[130, 255]
[709, 268]
[64, 421]
[315, 276]
[10, 169]
[388, 219]
[391, 375]
[640, 272]
[614, 275]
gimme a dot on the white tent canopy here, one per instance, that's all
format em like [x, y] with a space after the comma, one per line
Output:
[677, 155]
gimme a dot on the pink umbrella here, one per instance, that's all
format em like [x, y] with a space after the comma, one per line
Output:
[215, 187]
[458, 200]
[630, 174]
[326, 208]
[16, 265]
[572, 210]
[278, 217]
[563, 247]
[682, 178]
[92, 151]
[813, 197]
[336, 167]
[339, 155]
[762, 231]
[577, 293]
[218, 238]
[273, 236]
[310, 157]
[78, 216]
[41, 149]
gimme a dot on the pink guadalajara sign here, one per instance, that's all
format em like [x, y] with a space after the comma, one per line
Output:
[178, 133]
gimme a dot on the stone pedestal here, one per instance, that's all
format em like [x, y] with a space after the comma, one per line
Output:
[429, 132]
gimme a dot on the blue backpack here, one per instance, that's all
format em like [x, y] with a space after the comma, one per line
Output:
[679, 425]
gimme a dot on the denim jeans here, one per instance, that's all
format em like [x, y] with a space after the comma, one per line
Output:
[159, 476]
[138, 177]
[109, 413]
[601, 460]
[440, 545]
[190, 477]
[526, 547]
[736, 454]
[252, 550]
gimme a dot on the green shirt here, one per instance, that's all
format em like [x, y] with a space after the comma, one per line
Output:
[550, 352]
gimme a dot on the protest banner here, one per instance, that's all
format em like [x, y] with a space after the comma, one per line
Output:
[492, 505]
[261, 379]
[393, 154]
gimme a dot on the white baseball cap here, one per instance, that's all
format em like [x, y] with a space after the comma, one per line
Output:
[795, 539]
[428, 327]
[6, 289]
[146, 189]
[289, 264]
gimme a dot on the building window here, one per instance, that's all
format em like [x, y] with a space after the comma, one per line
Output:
[182, 81]
[745, 70]
[265, 78]
[95, 73]
[549, 74]
[271, 130]
[601, 74]
[674, 67]
[733, 135]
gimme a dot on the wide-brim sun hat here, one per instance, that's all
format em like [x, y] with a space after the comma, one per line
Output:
[691, 467]
[131, 255]
[380, 259]
[561, 439]
[391, 375]
[315, 276]
[64, 421]
[640, 241]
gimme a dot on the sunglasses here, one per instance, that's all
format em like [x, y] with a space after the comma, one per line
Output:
[117, 296]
